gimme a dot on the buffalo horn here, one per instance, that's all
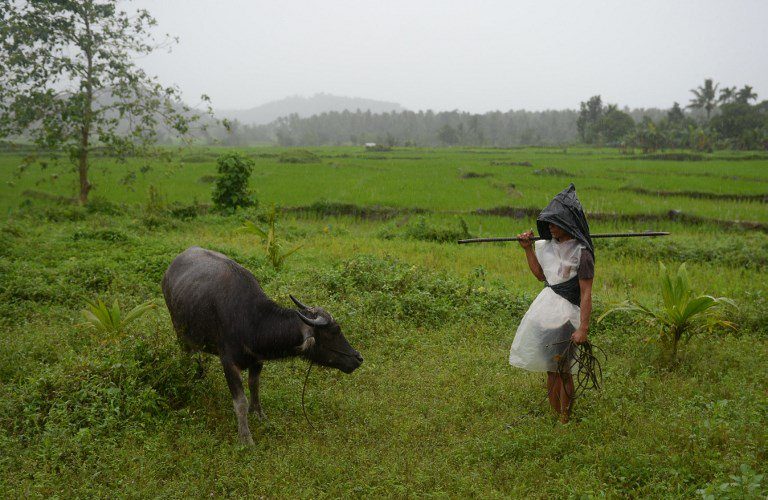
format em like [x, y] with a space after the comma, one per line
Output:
[319, 321]
[296, 301]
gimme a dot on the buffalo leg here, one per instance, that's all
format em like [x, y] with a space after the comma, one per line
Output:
[253, 384]
[235, 383]
[200, 372]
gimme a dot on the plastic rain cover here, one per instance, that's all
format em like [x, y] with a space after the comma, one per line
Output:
[546, 327]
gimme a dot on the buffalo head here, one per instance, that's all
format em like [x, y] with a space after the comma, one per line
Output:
[324, 343]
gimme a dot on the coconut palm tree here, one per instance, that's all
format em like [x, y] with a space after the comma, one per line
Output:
[727, 94]
[682, 314]
[745, 94]
[706, 97]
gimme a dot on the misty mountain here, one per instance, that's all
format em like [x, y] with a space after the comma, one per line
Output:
[306, 107]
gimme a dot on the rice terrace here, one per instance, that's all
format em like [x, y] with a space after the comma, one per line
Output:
[435, 407]
[309, 298]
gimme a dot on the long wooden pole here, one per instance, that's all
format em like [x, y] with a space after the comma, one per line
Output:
[593, 236]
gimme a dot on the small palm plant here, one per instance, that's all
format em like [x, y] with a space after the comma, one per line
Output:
[682, 315]
[272, 244]
[103, 318]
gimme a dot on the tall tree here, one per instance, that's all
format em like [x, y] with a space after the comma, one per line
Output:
[615, 124]
[67, 79]
[675, 115]
[705, 97]
[589, 114]
[745, 94]
[727, 95]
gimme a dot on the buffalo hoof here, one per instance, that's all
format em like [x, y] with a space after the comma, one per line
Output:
[246, 439]
[257, 411]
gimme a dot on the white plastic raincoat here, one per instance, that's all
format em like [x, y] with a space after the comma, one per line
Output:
[551, 319]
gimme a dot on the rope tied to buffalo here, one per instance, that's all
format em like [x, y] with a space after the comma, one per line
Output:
[303, 391]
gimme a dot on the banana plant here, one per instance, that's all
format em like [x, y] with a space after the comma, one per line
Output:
[683, 313]
[272, 245]
[103, 318]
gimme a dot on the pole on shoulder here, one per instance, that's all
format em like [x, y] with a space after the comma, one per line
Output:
[593, 236]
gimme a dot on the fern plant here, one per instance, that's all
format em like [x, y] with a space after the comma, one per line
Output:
[273, 247]
[683, 313]
[103, 318]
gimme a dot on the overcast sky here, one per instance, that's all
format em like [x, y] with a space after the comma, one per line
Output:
[470, 55]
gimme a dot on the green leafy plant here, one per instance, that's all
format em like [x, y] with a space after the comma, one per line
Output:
[231, 189]
[103, 318]
[683, 313]
[749, 484]
[272, 244]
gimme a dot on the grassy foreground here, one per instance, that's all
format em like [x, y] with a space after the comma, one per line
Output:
[435, 410]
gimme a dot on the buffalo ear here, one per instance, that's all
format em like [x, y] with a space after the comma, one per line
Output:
[308, 344]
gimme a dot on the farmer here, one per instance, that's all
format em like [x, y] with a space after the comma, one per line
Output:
[565, 261]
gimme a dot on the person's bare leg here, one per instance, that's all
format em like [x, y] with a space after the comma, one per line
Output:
[553, 391]
[566, 393]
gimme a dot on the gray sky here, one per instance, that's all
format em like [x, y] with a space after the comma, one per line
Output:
[473, 55]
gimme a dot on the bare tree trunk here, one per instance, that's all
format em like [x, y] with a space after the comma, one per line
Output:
[82, 167]
[85, 130]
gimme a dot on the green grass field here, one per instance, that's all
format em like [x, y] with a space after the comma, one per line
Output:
[435, 410]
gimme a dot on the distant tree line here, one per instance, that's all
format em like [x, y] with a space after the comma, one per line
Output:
[409, 128]
[731, 118]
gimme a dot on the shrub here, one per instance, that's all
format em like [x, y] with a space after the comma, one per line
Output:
[122, 385]
[231, 189]
[555, 172]
[101, 205]
[298, 156]
[747, 485]
[110, 235]
[403, 292]
[422, 231]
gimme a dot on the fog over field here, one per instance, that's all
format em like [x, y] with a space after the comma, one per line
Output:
[474, 56]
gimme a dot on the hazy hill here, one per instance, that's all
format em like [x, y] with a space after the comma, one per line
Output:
[305, 107]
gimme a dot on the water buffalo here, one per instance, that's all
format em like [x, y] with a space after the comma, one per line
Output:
[218, 307]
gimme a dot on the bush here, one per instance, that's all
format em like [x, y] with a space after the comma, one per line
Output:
[110, 235]
[101, 205]
[403, 292]
[298, 156]
[121, 386]
[231, 189]
[422, 231]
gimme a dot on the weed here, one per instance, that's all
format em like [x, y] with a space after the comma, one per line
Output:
[475, 175]
[111, 235]
[555, 172]
[273, 247]
[747, 485]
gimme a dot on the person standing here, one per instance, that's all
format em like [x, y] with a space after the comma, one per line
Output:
[565, 261]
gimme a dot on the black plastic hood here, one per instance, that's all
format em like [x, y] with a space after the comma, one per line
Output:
[566, 212]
